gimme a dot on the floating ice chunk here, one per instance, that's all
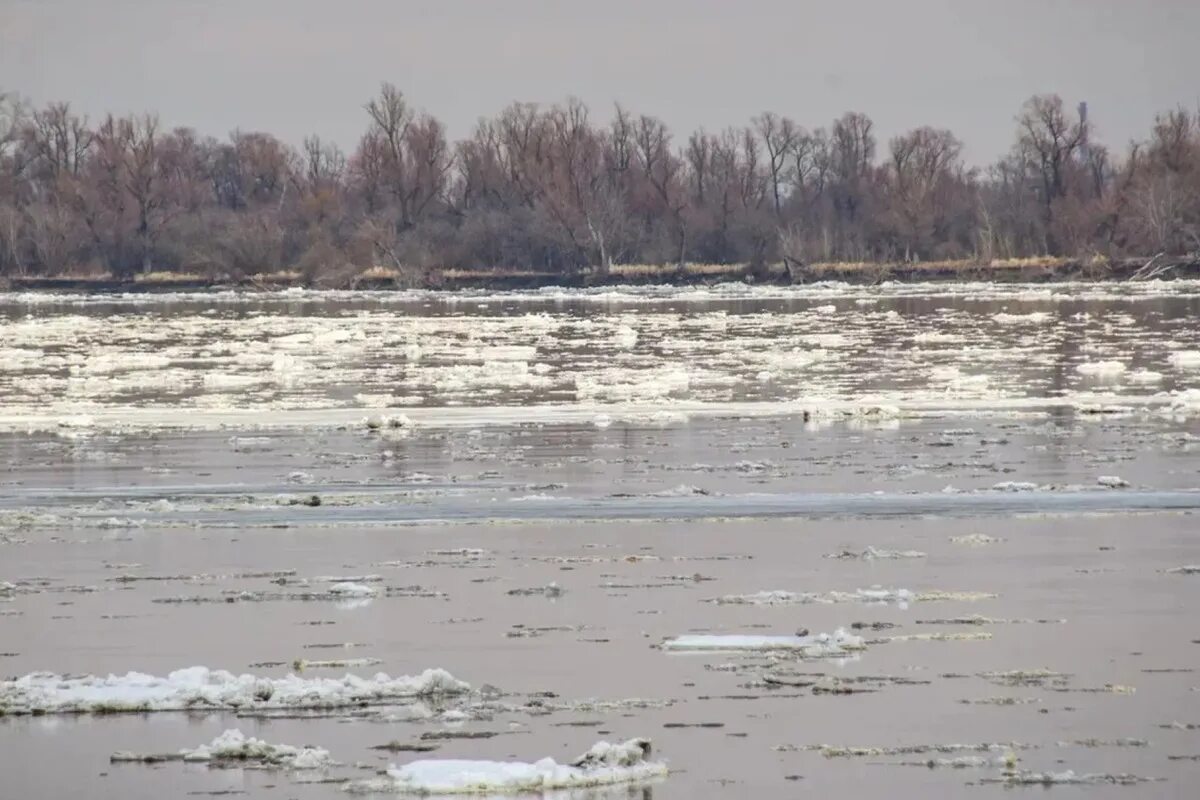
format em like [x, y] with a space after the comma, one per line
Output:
[819, 646]
[1186, 359]
[233, 745]
[513, 352]
[975, 539]
[873, 553]
[832, 751]
[604, 764]
[682, 490]
[1015, 486]
[939, 637]
[1025, 778]
[1112, 481]
[228, 380]
[349, 589]
[878, 595]
[934, 337]
[200, 688]
[1186, 402]
[302, 664]
[961, 762]
[551, 590]
[1144, 376]
[1032, 318]
[767, 598]
[625, 337]
[1101, 369]
[387, 421]
[1186, 569]
[825, 339]
[875, 594]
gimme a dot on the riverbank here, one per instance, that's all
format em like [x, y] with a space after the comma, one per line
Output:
[1025, 270]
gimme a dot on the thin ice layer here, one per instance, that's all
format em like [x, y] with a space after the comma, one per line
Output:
[200, 688]
[604, 764]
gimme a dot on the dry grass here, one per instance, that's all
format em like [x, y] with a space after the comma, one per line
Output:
[1047, 262]
[379, 272]
[648, 270]
[454, 274]
[163, 277]
[278, 276]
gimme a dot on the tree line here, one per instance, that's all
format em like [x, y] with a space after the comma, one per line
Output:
[549, 189]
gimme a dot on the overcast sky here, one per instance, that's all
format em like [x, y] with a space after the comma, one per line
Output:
[294, 67]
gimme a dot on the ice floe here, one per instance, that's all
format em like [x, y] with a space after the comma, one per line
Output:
[975, 539]
[815, 646]
[351, 589]
[1101, 369]
[201, 688]
[1186, 359]
[874, 595]
[234, 748]
[1067, 777]
[602, 765]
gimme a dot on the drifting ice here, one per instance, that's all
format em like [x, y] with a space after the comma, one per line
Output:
[199, 688]
[604, 764]
[235, 746]
[817, 646]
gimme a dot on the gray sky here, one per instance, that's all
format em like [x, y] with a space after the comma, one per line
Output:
[294, 67]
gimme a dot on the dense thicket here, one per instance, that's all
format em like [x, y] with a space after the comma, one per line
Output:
[546, 188]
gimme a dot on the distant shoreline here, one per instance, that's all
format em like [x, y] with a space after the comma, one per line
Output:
[1033, 270]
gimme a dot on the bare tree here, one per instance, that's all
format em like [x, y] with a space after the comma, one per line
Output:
[779, 136]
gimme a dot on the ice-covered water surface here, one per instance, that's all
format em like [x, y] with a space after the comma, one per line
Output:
[249, 359]
[619, 513]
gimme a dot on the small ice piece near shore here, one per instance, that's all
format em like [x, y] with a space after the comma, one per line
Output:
[604, 764]
[819, 646]
[201, 688]
[1186, 569]
[1112, 481]
[234, 748]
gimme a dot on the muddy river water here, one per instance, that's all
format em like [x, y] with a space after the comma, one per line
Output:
[902, 541]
